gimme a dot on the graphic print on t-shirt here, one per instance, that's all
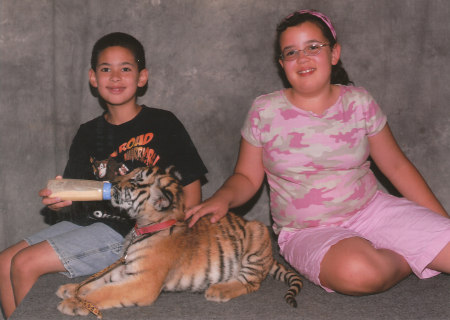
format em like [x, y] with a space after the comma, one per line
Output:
[131, 154]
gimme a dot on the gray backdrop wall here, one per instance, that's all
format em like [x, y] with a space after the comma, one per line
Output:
[208, 59]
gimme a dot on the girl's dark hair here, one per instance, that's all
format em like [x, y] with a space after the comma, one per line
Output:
[122, 40]
[338, 73]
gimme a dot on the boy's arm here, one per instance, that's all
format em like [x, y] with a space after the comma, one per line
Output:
[192, 194]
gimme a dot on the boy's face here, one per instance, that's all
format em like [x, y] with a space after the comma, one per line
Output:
[117, 77]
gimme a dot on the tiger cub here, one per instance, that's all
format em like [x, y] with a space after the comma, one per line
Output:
[226, 259]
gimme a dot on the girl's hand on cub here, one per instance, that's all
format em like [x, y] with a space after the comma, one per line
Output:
[215, 206]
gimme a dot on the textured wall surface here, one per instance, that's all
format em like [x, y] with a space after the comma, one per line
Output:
[208, 59]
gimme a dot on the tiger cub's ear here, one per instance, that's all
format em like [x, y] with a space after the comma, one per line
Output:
[160, 199]
[172, 171]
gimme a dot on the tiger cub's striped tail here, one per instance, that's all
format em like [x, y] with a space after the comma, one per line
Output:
[281, 273]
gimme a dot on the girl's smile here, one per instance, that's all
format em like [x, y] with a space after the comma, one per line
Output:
[307, 72]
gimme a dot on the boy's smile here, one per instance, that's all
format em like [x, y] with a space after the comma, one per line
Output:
[116, 90]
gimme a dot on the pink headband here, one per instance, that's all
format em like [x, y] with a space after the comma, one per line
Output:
[319, 15]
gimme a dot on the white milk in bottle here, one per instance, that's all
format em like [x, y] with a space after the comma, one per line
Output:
[79, 189]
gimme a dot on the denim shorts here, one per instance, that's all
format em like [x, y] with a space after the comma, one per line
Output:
[388, 222]
[82, 250]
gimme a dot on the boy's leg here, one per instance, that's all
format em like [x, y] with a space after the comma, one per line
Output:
[6, 290]
[29, 264]
[83, 250]
[7, 257]
[353, 266]
[78, 251]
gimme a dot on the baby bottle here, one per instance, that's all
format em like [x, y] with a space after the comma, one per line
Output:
[79, 189]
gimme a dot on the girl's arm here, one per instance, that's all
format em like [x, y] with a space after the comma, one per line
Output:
[238, 189]
[389, 158]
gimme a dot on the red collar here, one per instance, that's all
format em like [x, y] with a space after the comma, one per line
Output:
[154, 227]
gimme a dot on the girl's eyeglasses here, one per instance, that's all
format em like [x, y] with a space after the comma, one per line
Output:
[311, 50]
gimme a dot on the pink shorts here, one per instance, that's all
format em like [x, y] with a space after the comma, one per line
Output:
[388, 222]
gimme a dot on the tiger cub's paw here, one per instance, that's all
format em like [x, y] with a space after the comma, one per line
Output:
[66, 290]
[72, 307]
[218, 293]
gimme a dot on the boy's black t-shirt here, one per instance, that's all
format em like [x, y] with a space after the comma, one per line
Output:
[102, 151]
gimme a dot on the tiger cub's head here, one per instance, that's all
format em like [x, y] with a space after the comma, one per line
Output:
[149, 194]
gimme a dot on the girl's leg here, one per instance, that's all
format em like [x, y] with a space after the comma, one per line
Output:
[374, 249]
[29, 264]
[419, 235]
[353, 266]
[6, 290]
[442, 261]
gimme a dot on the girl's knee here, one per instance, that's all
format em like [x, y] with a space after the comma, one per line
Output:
[363, 276]
[359, 274]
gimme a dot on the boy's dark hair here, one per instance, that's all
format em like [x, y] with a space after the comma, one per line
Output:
[338, 73]
[122, 40]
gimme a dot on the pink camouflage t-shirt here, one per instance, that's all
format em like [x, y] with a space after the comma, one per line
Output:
[316, 165]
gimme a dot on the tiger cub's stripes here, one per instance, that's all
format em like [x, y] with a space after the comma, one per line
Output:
[226, 259]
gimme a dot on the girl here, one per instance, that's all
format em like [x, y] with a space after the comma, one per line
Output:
[312, 140]
[126, 136]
